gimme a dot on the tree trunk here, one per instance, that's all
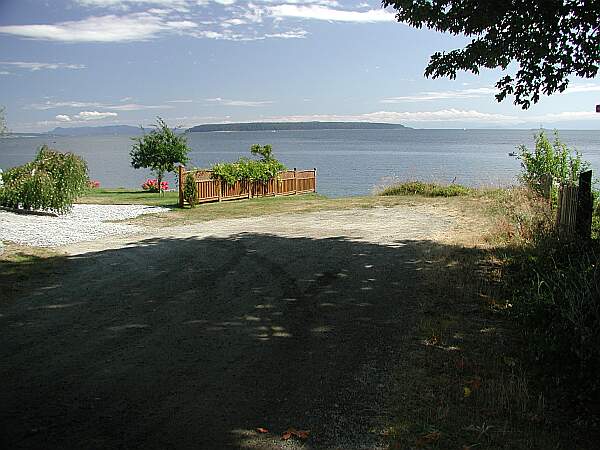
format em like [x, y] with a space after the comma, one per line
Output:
[159, 176]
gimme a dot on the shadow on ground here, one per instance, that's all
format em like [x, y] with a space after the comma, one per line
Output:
[189, 343]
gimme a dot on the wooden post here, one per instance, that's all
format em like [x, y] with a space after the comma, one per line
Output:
[181, 174]
[585, 205]
[219, 188]
[295, 182]
[546, 185]
[315, 174]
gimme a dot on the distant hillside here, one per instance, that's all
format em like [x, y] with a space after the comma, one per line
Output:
[120, 130]
[280, 126]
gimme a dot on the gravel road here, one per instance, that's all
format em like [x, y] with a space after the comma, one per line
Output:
[192, 337]
[82, 223]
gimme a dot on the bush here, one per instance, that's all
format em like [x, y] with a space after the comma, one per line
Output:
[557, 300]
[247, 169]
[190, 190]
[426, 189]
[152, 185]
[52, 181]
[556, 159]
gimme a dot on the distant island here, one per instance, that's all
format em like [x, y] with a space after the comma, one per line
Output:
[119, 130]
[281, 126]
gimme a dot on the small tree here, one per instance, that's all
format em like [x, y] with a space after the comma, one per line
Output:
[550, 158]
[190, 190]
[265, 151]
[159, 151]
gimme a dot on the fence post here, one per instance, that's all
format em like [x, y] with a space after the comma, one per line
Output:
[315, 175]
[546, 185]
[295, 182]
[585, 205]
[181, 173]
[219, 188]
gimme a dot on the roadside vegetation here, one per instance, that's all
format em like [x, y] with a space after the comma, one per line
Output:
[426, 189]
[52, 181]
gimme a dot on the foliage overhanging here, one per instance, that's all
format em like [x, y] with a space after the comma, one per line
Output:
[548, 40]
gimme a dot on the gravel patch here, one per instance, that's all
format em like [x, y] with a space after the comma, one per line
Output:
[83, 223]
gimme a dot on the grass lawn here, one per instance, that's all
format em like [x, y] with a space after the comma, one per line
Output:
[293, 204]
[124, 196]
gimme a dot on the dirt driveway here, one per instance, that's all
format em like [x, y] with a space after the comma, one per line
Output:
[192, 337]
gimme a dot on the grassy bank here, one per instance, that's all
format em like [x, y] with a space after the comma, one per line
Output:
[260, 206]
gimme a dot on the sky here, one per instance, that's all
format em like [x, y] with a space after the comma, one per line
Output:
[105, 62]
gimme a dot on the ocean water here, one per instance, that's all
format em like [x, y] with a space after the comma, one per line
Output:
[348, 162]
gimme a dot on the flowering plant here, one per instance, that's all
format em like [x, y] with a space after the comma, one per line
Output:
[151, 185]
[94, 184]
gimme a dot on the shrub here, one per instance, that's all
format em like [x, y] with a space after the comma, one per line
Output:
[556, 159]
[426, 189]
[93, 184]
[557, 300]
[261, 170]
[152, 185]
[51, 181]
[190, 190]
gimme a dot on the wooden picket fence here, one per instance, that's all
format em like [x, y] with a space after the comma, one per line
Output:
[288, 182]
[575, 205]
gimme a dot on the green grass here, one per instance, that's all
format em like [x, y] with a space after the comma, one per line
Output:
[123, 196]
[426, 189]
[234, 209]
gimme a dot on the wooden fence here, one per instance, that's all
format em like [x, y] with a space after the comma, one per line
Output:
[575, 205]
[289, 182]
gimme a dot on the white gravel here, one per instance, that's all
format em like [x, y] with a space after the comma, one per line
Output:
[83, 223]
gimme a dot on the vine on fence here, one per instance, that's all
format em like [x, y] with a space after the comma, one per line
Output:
[246, 169]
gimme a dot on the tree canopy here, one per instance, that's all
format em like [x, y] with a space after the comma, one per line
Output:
[549, 40]
[159, 150]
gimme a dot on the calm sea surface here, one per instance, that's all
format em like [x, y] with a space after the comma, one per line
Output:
[348, 162]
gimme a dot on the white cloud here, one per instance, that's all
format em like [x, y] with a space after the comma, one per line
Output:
[181, 5]
[4, 72]
[444, 115]
[63, 118]
[180, 101]
[582, 87]
[78, 104]
[292, 34]
[93, 115]
[35, 66]
[248, 103]
[449, 116]
[51, 105]
[136, 107]
[318, 12]
[442, 95]
[110, 28]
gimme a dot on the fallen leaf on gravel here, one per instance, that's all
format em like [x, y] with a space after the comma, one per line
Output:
[466, 391]
[262, 430]
[428, 439]
[300, 434]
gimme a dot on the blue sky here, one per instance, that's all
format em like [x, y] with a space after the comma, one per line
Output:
[103, 62]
